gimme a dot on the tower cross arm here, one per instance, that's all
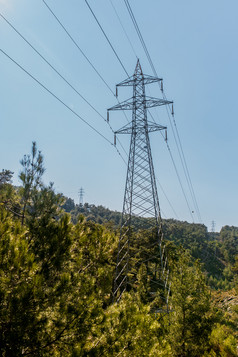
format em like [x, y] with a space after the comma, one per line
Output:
[127, 129]
[145, 78]
[155, 102]
[149, 102]
[151, 127]
[150, 79]
[126, 105]
[155, 127]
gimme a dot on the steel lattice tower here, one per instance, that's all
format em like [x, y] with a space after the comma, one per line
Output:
[141, 198]
[81, 193]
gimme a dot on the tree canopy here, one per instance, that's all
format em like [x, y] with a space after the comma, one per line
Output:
[56, 275]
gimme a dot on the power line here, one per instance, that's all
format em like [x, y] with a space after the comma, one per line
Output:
[177, 173]
[106, 38]
[189, 178]
[190, 211]
[124, 30]
[86, 57]
[61, 76]
[161, 187]
[76, 44]
[81, 51]
[176, 169]
[140, 36]
[61, 101]
[173, 161]
[110, 44]
[52, 67]
[183, 162]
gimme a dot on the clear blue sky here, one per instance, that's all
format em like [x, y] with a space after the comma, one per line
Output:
[193, 45]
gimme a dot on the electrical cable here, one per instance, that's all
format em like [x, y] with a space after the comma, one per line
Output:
[175, 167]
[139, 35]
[184, 164]
[61, 101]
[114, 51]
[186, 169]
[81, 51]
[190, 211]
[124, 30]
[176, 173]
[61, 76]
[161, 187]
[106, 38]
[76, 44]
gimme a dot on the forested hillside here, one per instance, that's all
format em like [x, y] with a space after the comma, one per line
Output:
[216, 251]
[57, 271]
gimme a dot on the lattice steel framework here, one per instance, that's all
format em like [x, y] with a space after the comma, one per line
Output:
[141, 199]
[81, 193]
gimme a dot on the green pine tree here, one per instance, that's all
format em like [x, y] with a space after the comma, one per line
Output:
[190, 319]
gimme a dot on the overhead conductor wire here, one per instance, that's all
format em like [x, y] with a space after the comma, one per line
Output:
[61, 76]
[76, 44]
[128, 38]
[110, 44]
[58, 99]
[88, 60]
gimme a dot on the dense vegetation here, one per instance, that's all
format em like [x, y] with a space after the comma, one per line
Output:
[216, 251]
[56, 273]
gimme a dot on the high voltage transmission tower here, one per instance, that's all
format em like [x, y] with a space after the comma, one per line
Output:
[141, 200]
[81, 193]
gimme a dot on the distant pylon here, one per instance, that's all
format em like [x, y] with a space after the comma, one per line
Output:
[81, 193]
[213, 225]
[141, 198]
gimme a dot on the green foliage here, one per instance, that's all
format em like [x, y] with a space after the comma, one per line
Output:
[229, 243]
[129, 330]
[223, 343]
[56, 275]
[224, 335]
[190, 318]
[5, 177]
[215, 251]
[55, 282]
[30, 176]
[17, 288]
[8, 196]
